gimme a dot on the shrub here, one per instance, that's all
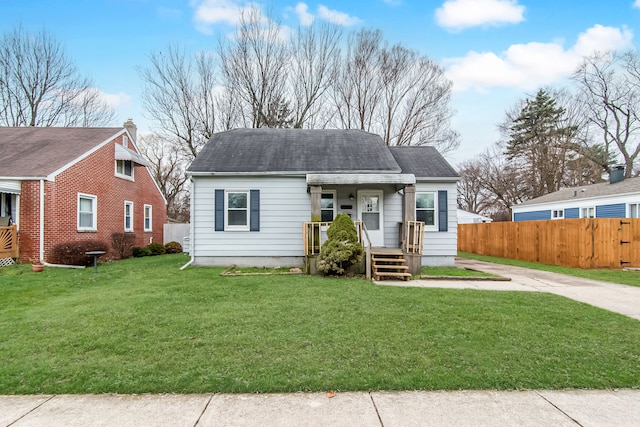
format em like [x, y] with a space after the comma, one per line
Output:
[74, 253]
[173, 248]
[342, 248]
[138, 252]
[122, 244]
[155, 249]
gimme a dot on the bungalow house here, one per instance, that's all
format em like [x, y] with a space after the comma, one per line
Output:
[68, 184]
[264, 197]
[617, 198]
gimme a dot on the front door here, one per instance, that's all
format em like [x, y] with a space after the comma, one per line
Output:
[370, 211]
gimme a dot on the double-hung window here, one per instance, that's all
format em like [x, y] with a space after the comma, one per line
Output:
[87, 212]
[634, 210]
[328, 206]
[588, 212]
[426, 209]
[237, 209]
[124, 169]
[128, 216]
[148, 223]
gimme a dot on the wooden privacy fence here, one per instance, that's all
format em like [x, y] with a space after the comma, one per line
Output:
[583, 243]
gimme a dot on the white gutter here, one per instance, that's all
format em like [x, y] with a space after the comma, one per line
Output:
[42, 220]
[192, 243]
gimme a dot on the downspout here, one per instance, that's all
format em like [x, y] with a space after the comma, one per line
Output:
[192, 243]
[41, 220]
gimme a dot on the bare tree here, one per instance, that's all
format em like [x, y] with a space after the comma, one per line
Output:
[357, 90]
[610, 88]
[180, 96]
[395, 92]
[254, 66]
[314, 56]
[167, 167]
[472, 194]
[41, 86]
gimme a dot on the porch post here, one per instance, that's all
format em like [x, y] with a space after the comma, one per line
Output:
[409, 203]
[414, 261]
[316, 196]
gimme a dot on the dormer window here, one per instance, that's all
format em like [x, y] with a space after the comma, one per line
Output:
[124, 169]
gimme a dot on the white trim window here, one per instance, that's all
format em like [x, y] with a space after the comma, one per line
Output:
[87, 212]
[148, 218]
[128, 216]
[588, 212]
[236, 205]
[124, 169]
[426, 209]
[328, 206]
[634, 210]
[557, 214]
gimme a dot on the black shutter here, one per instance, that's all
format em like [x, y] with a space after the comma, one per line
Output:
[219, 210]
[443, 214]
[254, 204]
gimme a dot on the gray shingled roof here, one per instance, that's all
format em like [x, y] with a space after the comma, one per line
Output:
[37, 152]
[310, 151]
[603, 189]
[422, 161]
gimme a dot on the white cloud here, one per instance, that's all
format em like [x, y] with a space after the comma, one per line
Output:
[305, 17]
[398, 2]
[636, 4]
[337, 17]
[114, 100]
[211, 12]
[528, 66]
[460, 14]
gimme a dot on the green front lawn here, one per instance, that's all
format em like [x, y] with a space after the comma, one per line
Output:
[453, 272]
[622, 277]
[141, 325]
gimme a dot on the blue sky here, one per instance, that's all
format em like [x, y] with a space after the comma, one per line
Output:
[494, 51]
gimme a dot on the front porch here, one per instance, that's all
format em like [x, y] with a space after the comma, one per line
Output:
[379, 262]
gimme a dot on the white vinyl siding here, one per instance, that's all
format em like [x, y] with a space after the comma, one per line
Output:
[441, 247]
[284, 206]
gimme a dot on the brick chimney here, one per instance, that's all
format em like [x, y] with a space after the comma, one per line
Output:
[132, 128]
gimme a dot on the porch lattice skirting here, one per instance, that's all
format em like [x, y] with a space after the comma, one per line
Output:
[6, 262]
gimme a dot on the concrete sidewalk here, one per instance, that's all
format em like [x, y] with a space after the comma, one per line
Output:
[621, 299]
[440, 408]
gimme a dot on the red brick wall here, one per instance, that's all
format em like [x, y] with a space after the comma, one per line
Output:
[94, 175]
[29, 232]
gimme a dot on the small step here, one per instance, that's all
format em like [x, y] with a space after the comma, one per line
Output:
[388, 259]
[379, 274]
[390, 267]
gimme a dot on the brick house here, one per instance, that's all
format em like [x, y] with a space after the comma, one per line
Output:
[68, 184]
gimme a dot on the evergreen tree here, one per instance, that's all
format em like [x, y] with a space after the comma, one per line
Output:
[541, 144]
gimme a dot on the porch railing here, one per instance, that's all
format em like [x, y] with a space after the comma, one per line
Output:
[9, 242]
[314, 234]
[413, 238]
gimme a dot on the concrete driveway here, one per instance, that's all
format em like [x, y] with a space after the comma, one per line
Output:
[621, 299]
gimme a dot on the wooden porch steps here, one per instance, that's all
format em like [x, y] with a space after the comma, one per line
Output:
[389, 263]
